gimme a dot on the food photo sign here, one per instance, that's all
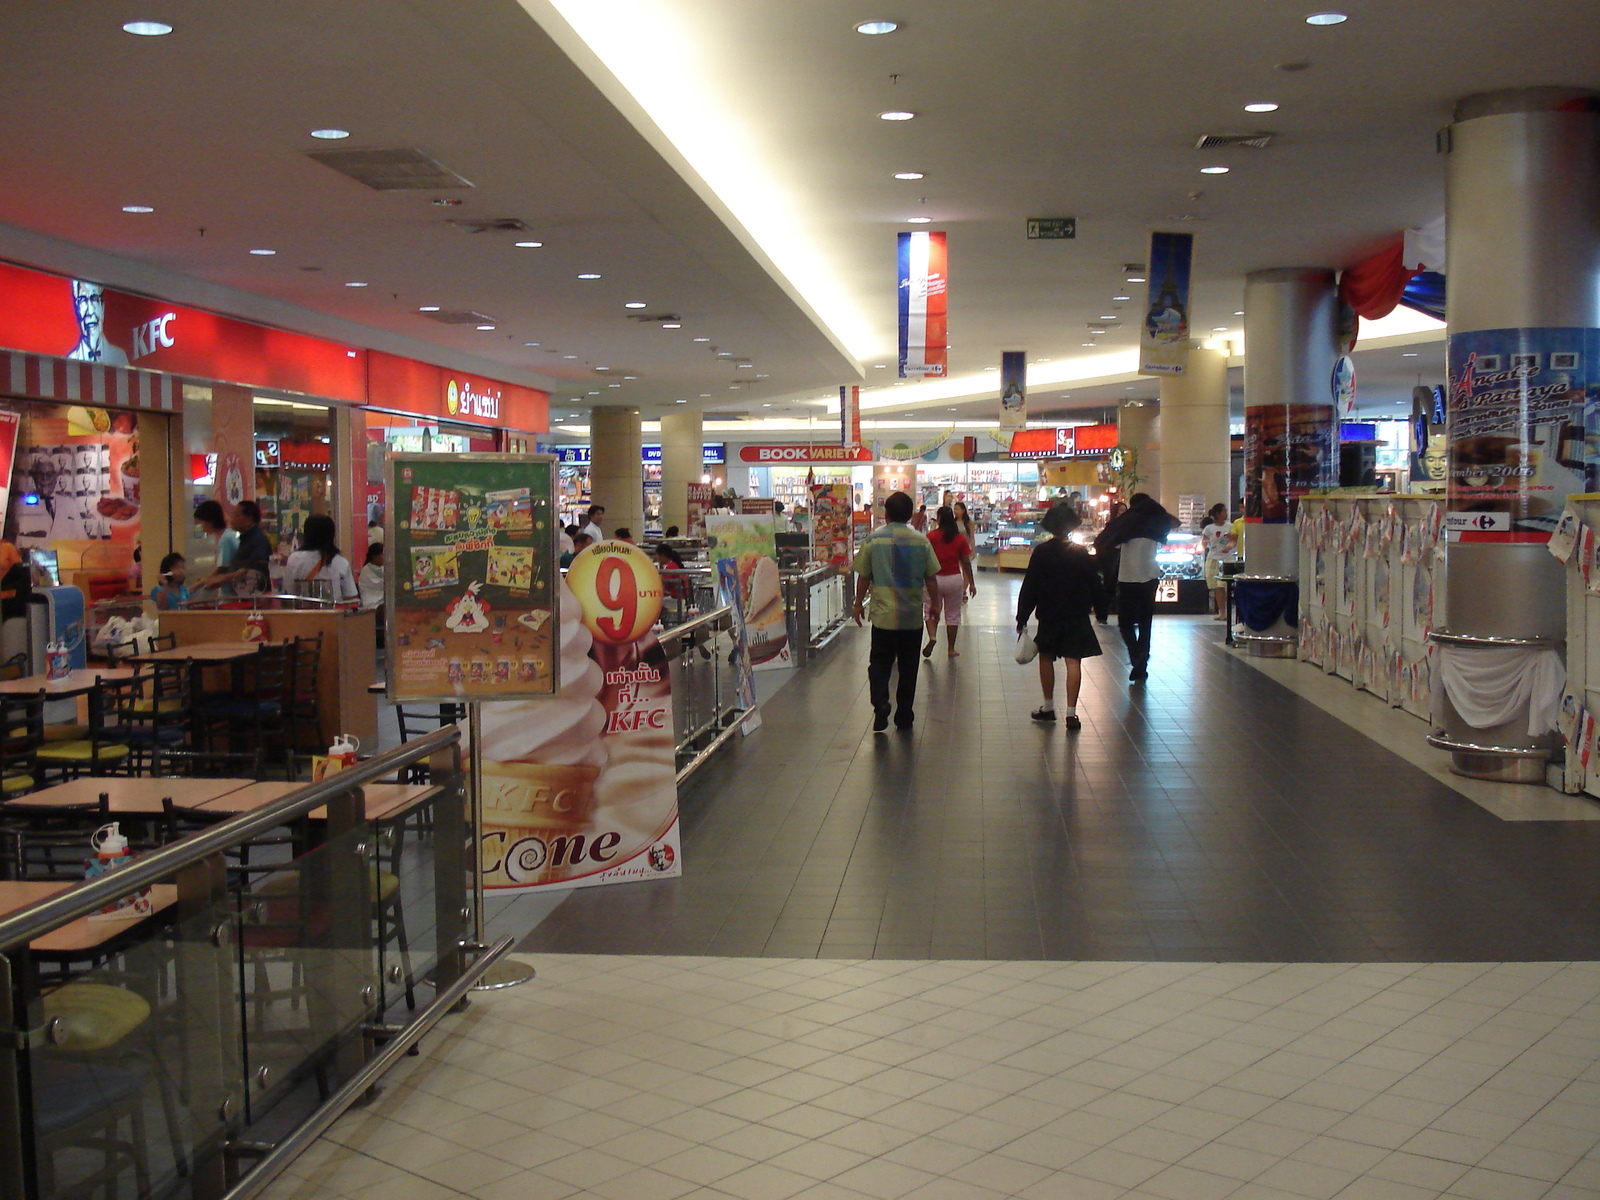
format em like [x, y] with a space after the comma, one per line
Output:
[751, 544]
[471, 585]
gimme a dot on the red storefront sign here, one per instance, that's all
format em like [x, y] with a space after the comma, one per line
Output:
[405, 385]
[779, 455]
[1076, 441]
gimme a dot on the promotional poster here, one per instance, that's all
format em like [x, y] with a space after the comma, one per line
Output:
[1289, 450]
[700, 495]
[1164, 338]
[850, 415]
[1013, 389]
[580, 788]
[733, 597]
[924, 299]
[75, 482]
[831, 508]
[471, 579]
[750, 543]
[1522, 410]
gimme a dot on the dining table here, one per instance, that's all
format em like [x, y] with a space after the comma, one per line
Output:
[205, 653]
[85, 935]
[77, 682]
[383, 800]
[126, 795]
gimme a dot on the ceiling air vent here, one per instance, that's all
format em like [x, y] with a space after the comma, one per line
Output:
[489, 225]
[462, 316]
[391, 170]
[1221, 141]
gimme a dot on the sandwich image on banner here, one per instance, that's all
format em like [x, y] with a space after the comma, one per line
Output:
[1164, 338]
[924, 303]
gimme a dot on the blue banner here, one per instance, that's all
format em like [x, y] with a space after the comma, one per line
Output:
[1164, 338]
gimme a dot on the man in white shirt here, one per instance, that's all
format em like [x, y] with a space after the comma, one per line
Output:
[1140, 533]
[591, 522]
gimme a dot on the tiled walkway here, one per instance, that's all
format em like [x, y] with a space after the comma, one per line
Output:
[624, 1078]
[1212, 814]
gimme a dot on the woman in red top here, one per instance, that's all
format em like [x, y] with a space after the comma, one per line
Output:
[954, 581]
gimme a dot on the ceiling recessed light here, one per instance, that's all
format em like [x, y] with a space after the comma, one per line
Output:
[1408, 354]
[1264, 106]
[908, 174]
[702, 339]
[680, 402]
[1122, 297]
[429, 308]
[146, 28]
[672, 324]
[1214, 170]
[1104, 317]
[918, 220]
[613, 385]
[137, 208]
[1219, 329]
[330, 135]
[766, 406]
[1136, 278]
[897, 114]
[880, 366]
[592, 393]
[1240, 313]
[558, 420]
[527, 245]
[485, 327]
[874, 28]
[991, 368]
[569, 356]
[1327, 18]
[602, 368]
[530, 343]
[705, 395]
[1088, 343]
[630, 377]
[588, 275]
[264, 253]
[355, 283]
[635, 304]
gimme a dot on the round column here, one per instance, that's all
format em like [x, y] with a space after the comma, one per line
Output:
[1139, 429]
[616, 469]
[682, 463]
[1523, 202]
[1291, 440]
[1194, 431]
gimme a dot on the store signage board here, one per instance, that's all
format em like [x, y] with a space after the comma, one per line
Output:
[711, 453]
[1075, 441]
[780, 455]
[470, 590]
[1050, 229]
[267, 454]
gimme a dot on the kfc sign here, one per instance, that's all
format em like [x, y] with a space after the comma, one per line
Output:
[779, 455]
[152, 336]
[472, 398]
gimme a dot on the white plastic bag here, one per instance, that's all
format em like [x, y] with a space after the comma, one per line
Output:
[1027, 648]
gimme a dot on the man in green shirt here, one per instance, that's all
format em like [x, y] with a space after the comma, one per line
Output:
[897, 565]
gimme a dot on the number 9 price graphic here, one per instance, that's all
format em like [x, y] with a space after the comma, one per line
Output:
[618, 590]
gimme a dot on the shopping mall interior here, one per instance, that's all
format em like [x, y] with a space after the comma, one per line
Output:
[451, 453]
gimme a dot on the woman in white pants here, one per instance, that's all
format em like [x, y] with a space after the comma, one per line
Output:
[954, 581]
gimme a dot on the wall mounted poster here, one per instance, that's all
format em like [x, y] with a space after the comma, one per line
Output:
[582, 788]
[749, 541]
[471, 603]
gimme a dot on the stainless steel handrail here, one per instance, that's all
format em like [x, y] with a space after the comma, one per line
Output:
[26, 924]
[813, 574]
[703, 621]
[1266, 578]
[217, 601]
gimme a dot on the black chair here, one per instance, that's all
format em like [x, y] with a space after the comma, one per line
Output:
[21, 735]
[305, 713]
[414, 723]
[105, 750]
[162, 715]
[259, 711]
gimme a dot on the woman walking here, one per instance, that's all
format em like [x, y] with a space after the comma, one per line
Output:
[1062, 586]
[968, 527]
[1216, 539]
[954, 581]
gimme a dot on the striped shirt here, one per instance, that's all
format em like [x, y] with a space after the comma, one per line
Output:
[897, 560]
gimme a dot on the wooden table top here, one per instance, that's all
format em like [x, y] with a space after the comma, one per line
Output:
[382, 798]
[129, 795]
[74, 683]
[82, 934]
[214, 652]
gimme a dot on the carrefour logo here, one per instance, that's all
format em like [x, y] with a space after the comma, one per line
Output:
[464, 400]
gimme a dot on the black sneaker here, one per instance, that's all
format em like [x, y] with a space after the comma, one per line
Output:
[1139, 675]
[1073, 723]
[1043, 714]
[880, 721]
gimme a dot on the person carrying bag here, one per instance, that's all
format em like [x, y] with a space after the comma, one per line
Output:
[1062, 587]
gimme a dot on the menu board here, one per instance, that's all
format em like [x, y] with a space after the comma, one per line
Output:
[471, 578]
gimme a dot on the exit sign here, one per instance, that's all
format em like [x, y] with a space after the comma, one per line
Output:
[1052, 227]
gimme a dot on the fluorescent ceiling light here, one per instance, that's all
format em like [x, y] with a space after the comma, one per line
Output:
[672, 324]
[264, 253]
[896, 114]
[1408, 354]
[530, 343]
[1240, 313]
[146, 28]
[1214, 170]
[1122, 297]
[1327, 18]
[702, 339]
[355, 283]
[137, 208]
[588, 275]
[330, 135]
[1103, 317]
[527, 245]
[635, 304]
[428, 308]
[874, 28]
[485, 327]
[918, 220]
[1136, 278]
[1264, 106]
[908, 174]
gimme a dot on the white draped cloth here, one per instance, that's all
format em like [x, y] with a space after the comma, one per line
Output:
[1490, 686]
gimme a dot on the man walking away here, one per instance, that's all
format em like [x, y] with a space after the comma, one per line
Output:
[898, 565]
[1139, 533]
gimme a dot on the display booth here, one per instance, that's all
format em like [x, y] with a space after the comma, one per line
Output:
[1371, 580]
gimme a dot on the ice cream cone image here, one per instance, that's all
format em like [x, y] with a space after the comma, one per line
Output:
[535, 817]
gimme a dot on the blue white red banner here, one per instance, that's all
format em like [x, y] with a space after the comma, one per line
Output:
[850, 415]
[923, 305]
[1164, 340]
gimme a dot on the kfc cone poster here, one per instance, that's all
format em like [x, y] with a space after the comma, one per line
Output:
[750, 542]
[581, 788]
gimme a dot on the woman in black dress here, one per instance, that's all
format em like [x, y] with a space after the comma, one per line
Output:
[1063, 587]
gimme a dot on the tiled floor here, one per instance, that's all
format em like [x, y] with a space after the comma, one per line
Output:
[1210, 815]
[631, 1078]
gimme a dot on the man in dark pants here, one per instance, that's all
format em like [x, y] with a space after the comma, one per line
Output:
[897, 565]
[1139, 534]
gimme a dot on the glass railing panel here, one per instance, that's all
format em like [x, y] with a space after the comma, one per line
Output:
[132, 1074]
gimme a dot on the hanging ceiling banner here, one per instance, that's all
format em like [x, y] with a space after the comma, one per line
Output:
[1013, 389]
[923, 306]
[850, 415]
[1164, 340]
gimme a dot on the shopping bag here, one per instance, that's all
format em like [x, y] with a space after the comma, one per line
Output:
[1027, 648]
